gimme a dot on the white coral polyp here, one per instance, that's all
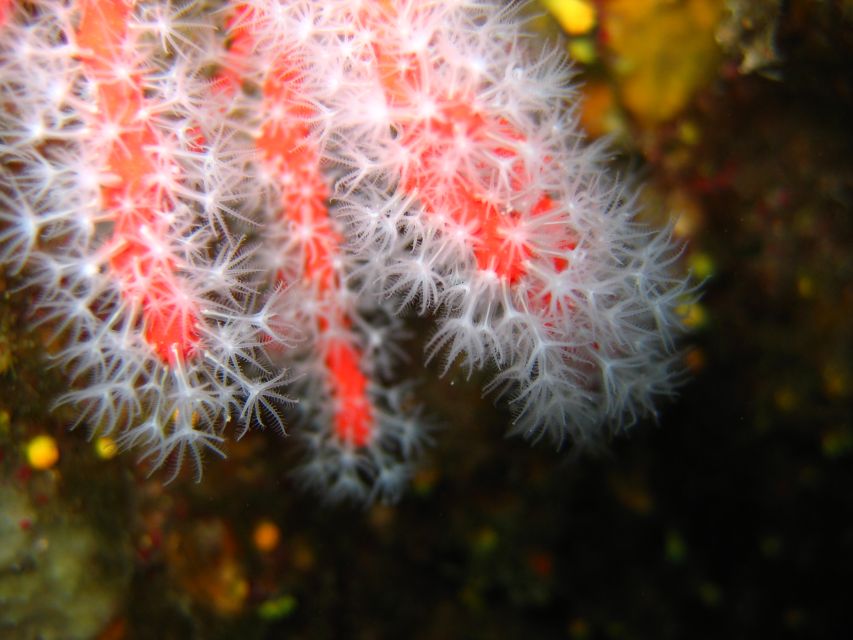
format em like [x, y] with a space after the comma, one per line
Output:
[583, 339]
[461, 188]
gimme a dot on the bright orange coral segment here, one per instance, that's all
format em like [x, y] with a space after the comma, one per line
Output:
[433, 141]
[353, 412]
[286, 147]
[139, 258]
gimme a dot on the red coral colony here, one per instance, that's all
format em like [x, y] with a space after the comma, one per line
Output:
[227, 210]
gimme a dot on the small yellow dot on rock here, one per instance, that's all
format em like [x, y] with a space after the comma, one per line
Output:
[106, 447]
[583, 50]
[575, 16]
[42, 452]
[689, 132]
[701, 265]
[805, 287]
[266, 536]
[693, 315]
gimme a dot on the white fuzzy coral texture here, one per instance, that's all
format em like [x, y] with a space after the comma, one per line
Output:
[467, 192]
[459, 187]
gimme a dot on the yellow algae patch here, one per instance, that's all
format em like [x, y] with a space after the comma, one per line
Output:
[701, 265]
[576, 17]
[664, 51]
[693, 315]
[277, 608]
[42, 452]
[600, 114]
